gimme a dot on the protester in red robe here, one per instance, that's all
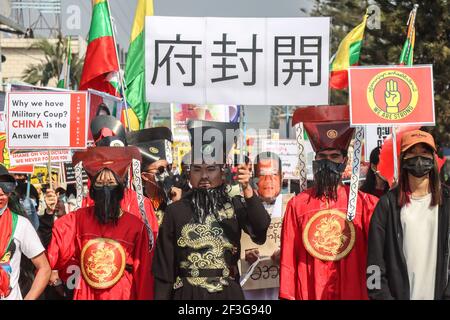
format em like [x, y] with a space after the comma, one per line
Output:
[108, 244]
[108, 131]
[323, 254]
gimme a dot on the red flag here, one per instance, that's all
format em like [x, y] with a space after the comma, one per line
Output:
[101, 58]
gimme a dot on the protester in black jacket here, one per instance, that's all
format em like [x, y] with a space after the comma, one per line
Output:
[409, 230]
[199, 240]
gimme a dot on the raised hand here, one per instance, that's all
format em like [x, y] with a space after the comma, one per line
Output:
[50, 201]
[392, 96]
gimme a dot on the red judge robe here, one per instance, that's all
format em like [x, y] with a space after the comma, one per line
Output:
[112, 261]
[323, 255]
[309, 240]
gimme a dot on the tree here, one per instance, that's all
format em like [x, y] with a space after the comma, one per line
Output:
[383, 46]
[50, 68]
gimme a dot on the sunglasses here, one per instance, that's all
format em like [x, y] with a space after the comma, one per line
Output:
[8, 187]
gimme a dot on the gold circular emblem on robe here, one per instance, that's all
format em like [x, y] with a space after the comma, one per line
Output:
[102, 262]
[328, 235]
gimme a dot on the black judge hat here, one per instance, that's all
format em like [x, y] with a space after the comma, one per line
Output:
[153, 143]
[108, 131]
[211, 141]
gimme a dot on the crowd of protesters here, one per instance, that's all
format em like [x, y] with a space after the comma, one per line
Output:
[179, 236]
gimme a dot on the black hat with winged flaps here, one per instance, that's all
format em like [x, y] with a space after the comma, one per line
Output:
[108, 131]
[211, 141]
[153, 143]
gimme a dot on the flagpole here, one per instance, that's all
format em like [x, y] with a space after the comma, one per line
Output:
[49, 164]
[411, 29]
[411, 25]
[128, 127]
[28, 185]
[394, 150]
[66, 63]
[69, 60]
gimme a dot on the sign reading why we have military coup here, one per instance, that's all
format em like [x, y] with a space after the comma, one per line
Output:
[43, 120]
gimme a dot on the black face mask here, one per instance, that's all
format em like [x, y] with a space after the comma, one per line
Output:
[329, 166]
[107, 202]
[327, 175]
[419, 166]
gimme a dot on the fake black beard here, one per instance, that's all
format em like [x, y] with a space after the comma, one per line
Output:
[208, 201]
[107, 203]
[326, 182]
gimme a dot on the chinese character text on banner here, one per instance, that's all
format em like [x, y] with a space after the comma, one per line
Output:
[253, 61]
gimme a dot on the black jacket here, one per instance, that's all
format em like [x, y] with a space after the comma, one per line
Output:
[386, 250]
[44, 231]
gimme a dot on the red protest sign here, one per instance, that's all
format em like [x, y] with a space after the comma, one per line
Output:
[5, 159]
[391, 95]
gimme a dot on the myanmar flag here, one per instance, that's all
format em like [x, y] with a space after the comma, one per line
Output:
[101, 57]
[406, 57]
[347, 55]
[135, 66]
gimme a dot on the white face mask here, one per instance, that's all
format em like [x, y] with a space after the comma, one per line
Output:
[3, 209]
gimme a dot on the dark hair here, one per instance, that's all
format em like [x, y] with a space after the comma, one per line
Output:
[71, 190]
[102, 107]
[60, 190]
[435, 183]
[371, 179]
[15, 206]
[21, 191]
[266, 156]
[342, 151]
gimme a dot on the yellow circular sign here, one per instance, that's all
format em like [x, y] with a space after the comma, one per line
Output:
[102, 262]
[392, 95]
[328, 235]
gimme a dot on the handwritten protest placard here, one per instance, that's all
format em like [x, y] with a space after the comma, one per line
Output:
[69, 174]
[266, 273]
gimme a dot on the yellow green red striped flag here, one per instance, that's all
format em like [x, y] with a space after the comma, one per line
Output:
[406, 57]
[347, 55]
[135, 65]
[101, 57]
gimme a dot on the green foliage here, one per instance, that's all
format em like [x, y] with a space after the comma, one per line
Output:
[383, 46]
[54, 56]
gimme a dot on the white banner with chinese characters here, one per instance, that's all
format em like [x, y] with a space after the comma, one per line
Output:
[253, 61]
